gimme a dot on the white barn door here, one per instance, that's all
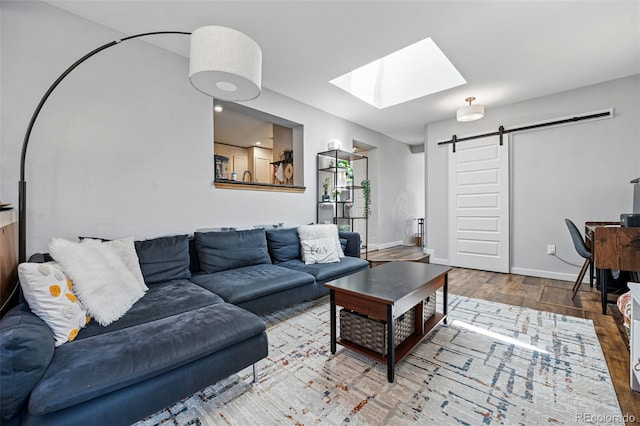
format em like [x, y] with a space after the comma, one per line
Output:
[479, 205]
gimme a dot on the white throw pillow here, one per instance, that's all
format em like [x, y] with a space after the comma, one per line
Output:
[102, 282]
[49, 294]
[315, 232]
[126, 251]
[321, 250]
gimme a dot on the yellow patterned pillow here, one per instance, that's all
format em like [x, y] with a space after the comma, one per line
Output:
[49, 294]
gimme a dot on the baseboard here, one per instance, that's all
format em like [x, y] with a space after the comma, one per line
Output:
[373, 247]
[389, 245]
[438, 261]
[547, 274]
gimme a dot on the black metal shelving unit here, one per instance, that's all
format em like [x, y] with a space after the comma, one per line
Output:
[330, 165]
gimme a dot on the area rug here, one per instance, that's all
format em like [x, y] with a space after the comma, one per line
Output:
[491, 364]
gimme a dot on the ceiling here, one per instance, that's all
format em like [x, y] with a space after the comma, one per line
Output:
[508, 51]
[238, 129]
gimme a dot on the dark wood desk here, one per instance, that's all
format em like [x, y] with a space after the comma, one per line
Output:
[386, 292]
[612, 247]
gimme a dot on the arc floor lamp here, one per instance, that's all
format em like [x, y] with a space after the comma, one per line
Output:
[223, 63]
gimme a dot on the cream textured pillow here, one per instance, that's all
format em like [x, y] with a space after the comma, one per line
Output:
[321, 250]
[48, 293]
[315, 232]
[126, 251]
[102, 282]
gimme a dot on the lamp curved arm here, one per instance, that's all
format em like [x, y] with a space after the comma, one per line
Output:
[22, 185]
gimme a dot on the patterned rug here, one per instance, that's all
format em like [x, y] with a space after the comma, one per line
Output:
[492, 364]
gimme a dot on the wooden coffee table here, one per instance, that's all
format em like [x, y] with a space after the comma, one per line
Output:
[387, 292]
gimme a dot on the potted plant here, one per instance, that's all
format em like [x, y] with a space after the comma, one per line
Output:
[325, 186]
[366, 194]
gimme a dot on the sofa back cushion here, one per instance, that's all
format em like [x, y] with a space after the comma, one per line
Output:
[163, 259]
[26, 344]
[283, 244]
[220, 251]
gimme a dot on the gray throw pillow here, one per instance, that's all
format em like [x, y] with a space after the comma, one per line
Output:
[163, 259]
[220, 251]
[283, 244]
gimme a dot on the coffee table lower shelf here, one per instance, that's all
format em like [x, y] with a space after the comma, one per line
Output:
[403, 349]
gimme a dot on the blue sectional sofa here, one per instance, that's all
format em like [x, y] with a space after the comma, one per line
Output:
[196, 324]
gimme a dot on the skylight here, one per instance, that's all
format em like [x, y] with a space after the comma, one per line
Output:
[412, 72]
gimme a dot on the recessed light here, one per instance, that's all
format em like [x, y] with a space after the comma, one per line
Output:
[258, 143]
[412, 72]
[218, 108]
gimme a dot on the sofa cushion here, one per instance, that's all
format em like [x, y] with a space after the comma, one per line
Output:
[220, 251]
[351, 247]
[26, 348]
[163, 259]
[328, 271]
[283, 244]
[105, 363]
[252, 282]
[162, 300]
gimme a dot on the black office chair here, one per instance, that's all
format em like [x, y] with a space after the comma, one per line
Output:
[583, 251]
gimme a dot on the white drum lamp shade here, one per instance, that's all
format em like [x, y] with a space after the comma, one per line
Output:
[470, 112]
[225, 64]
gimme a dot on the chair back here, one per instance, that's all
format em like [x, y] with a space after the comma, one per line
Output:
[578, 242]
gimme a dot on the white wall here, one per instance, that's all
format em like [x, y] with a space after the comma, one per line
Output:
[579, 171]
[123, 146]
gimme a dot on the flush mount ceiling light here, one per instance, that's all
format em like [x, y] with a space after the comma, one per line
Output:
[412, 72]
[470, 112]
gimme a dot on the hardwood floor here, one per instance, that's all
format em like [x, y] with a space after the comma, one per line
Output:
[555, 296]
[547, 295]
[406, 253]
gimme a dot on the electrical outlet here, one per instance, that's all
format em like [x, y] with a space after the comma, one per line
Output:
[551, 249]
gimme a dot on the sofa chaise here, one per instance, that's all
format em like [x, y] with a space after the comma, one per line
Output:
[196, 324]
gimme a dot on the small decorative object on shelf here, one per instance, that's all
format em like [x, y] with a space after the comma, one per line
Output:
[325, 186]
[347, 208]
[287, 156]
[334, 144]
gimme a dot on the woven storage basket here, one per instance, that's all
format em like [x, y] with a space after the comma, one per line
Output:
[429, 306]
[372, 333]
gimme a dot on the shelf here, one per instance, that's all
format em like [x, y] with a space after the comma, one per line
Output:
[342, 155]
[332, 202]
[254, 186]
[333, 169]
